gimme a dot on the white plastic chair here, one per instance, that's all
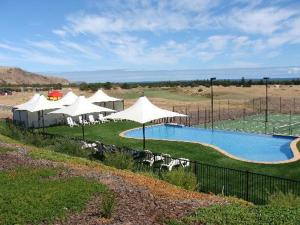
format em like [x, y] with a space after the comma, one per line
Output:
[102, 119]
[184, 162]
[92, 120]
[82, 121]
[70, 122]
[171, 164]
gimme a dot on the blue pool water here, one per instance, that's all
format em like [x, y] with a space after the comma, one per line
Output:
[255, 147]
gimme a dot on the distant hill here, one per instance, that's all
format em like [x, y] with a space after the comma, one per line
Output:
[17, 76]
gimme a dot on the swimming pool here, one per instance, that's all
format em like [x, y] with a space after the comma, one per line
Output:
[244, 146]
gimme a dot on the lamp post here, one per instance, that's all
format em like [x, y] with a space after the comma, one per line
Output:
[212, 101]
[266, 111]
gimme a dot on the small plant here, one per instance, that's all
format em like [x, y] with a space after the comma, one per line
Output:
[281, 199]
[107, 204]
[181, 177]
[119, 160]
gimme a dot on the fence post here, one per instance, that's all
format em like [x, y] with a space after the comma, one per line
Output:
[186, 122]
[259, 105]
[280, 104]
[228, 108]
[219, 110]
[205, 115]
[294, 105]
[198, 116]
[253, 105]
[247, 185]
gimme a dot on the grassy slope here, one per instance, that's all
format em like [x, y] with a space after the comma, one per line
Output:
[109, 133]
[22, 201]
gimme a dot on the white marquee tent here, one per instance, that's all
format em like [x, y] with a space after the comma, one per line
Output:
[143, 111]
[81, 107]
[67, 99]
[39, 104]
[102, 99]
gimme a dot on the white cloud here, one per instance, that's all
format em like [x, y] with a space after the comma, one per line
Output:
[86, 51]
[60, 32]
[45, 45]
[264, 21]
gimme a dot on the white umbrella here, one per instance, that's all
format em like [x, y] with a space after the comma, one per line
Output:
[40, 104]
[143, 111]
[68, 99]
[81, 107]
[99, 96]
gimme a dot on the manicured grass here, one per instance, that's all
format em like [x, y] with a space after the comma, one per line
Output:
[242, 215]
[33, 196]
[109, 134]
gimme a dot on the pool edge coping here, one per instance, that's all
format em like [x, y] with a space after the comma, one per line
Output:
[293, 146]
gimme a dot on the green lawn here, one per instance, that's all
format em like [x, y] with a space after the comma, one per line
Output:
[31, 196]
[109, 133]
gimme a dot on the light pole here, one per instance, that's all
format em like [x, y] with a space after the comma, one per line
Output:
[212, 101]
[266, 111]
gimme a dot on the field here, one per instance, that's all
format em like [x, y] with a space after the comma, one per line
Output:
[181, 96]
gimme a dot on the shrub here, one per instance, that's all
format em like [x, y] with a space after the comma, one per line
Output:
[281, 199]
[236, 214]
[70, 147]
[181, 177]
[119, 160]
[107, 204]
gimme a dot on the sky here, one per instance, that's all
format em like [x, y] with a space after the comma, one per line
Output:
[87, 35]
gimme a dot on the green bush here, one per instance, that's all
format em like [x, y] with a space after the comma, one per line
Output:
[281, 199]
[107, 204]
[236, 214]
[70, 147]
[119, 160]
[181, 177]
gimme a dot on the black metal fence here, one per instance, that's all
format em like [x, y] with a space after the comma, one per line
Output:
[250, 186]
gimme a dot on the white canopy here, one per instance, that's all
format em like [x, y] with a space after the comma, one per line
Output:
[100, 96]
[81, 107]
[39, 104]
[24, 105]
[143, 111]
[68, 99]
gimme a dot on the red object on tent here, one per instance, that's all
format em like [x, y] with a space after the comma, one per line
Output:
[55, 95]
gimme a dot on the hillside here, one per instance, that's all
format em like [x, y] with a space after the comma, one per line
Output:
[11, 75]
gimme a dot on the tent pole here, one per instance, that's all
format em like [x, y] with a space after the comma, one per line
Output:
[43, 121]
[82, 126]
[144, 143]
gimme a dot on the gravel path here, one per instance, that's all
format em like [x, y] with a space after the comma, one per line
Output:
[135, 204]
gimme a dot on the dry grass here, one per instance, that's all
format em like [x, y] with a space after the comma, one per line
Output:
[189, 95]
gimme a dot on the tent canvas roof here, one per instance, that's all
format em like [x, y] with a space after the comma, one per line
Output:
[80, 107]
[41, 103]
[24, 105]
[100, 96]
[68, 99]
[143, 111]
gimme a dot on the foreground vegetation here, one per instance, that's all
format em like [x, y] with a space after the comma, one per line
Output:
[109, 133]
[237, 214]
[282, 209]
[34, 195]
